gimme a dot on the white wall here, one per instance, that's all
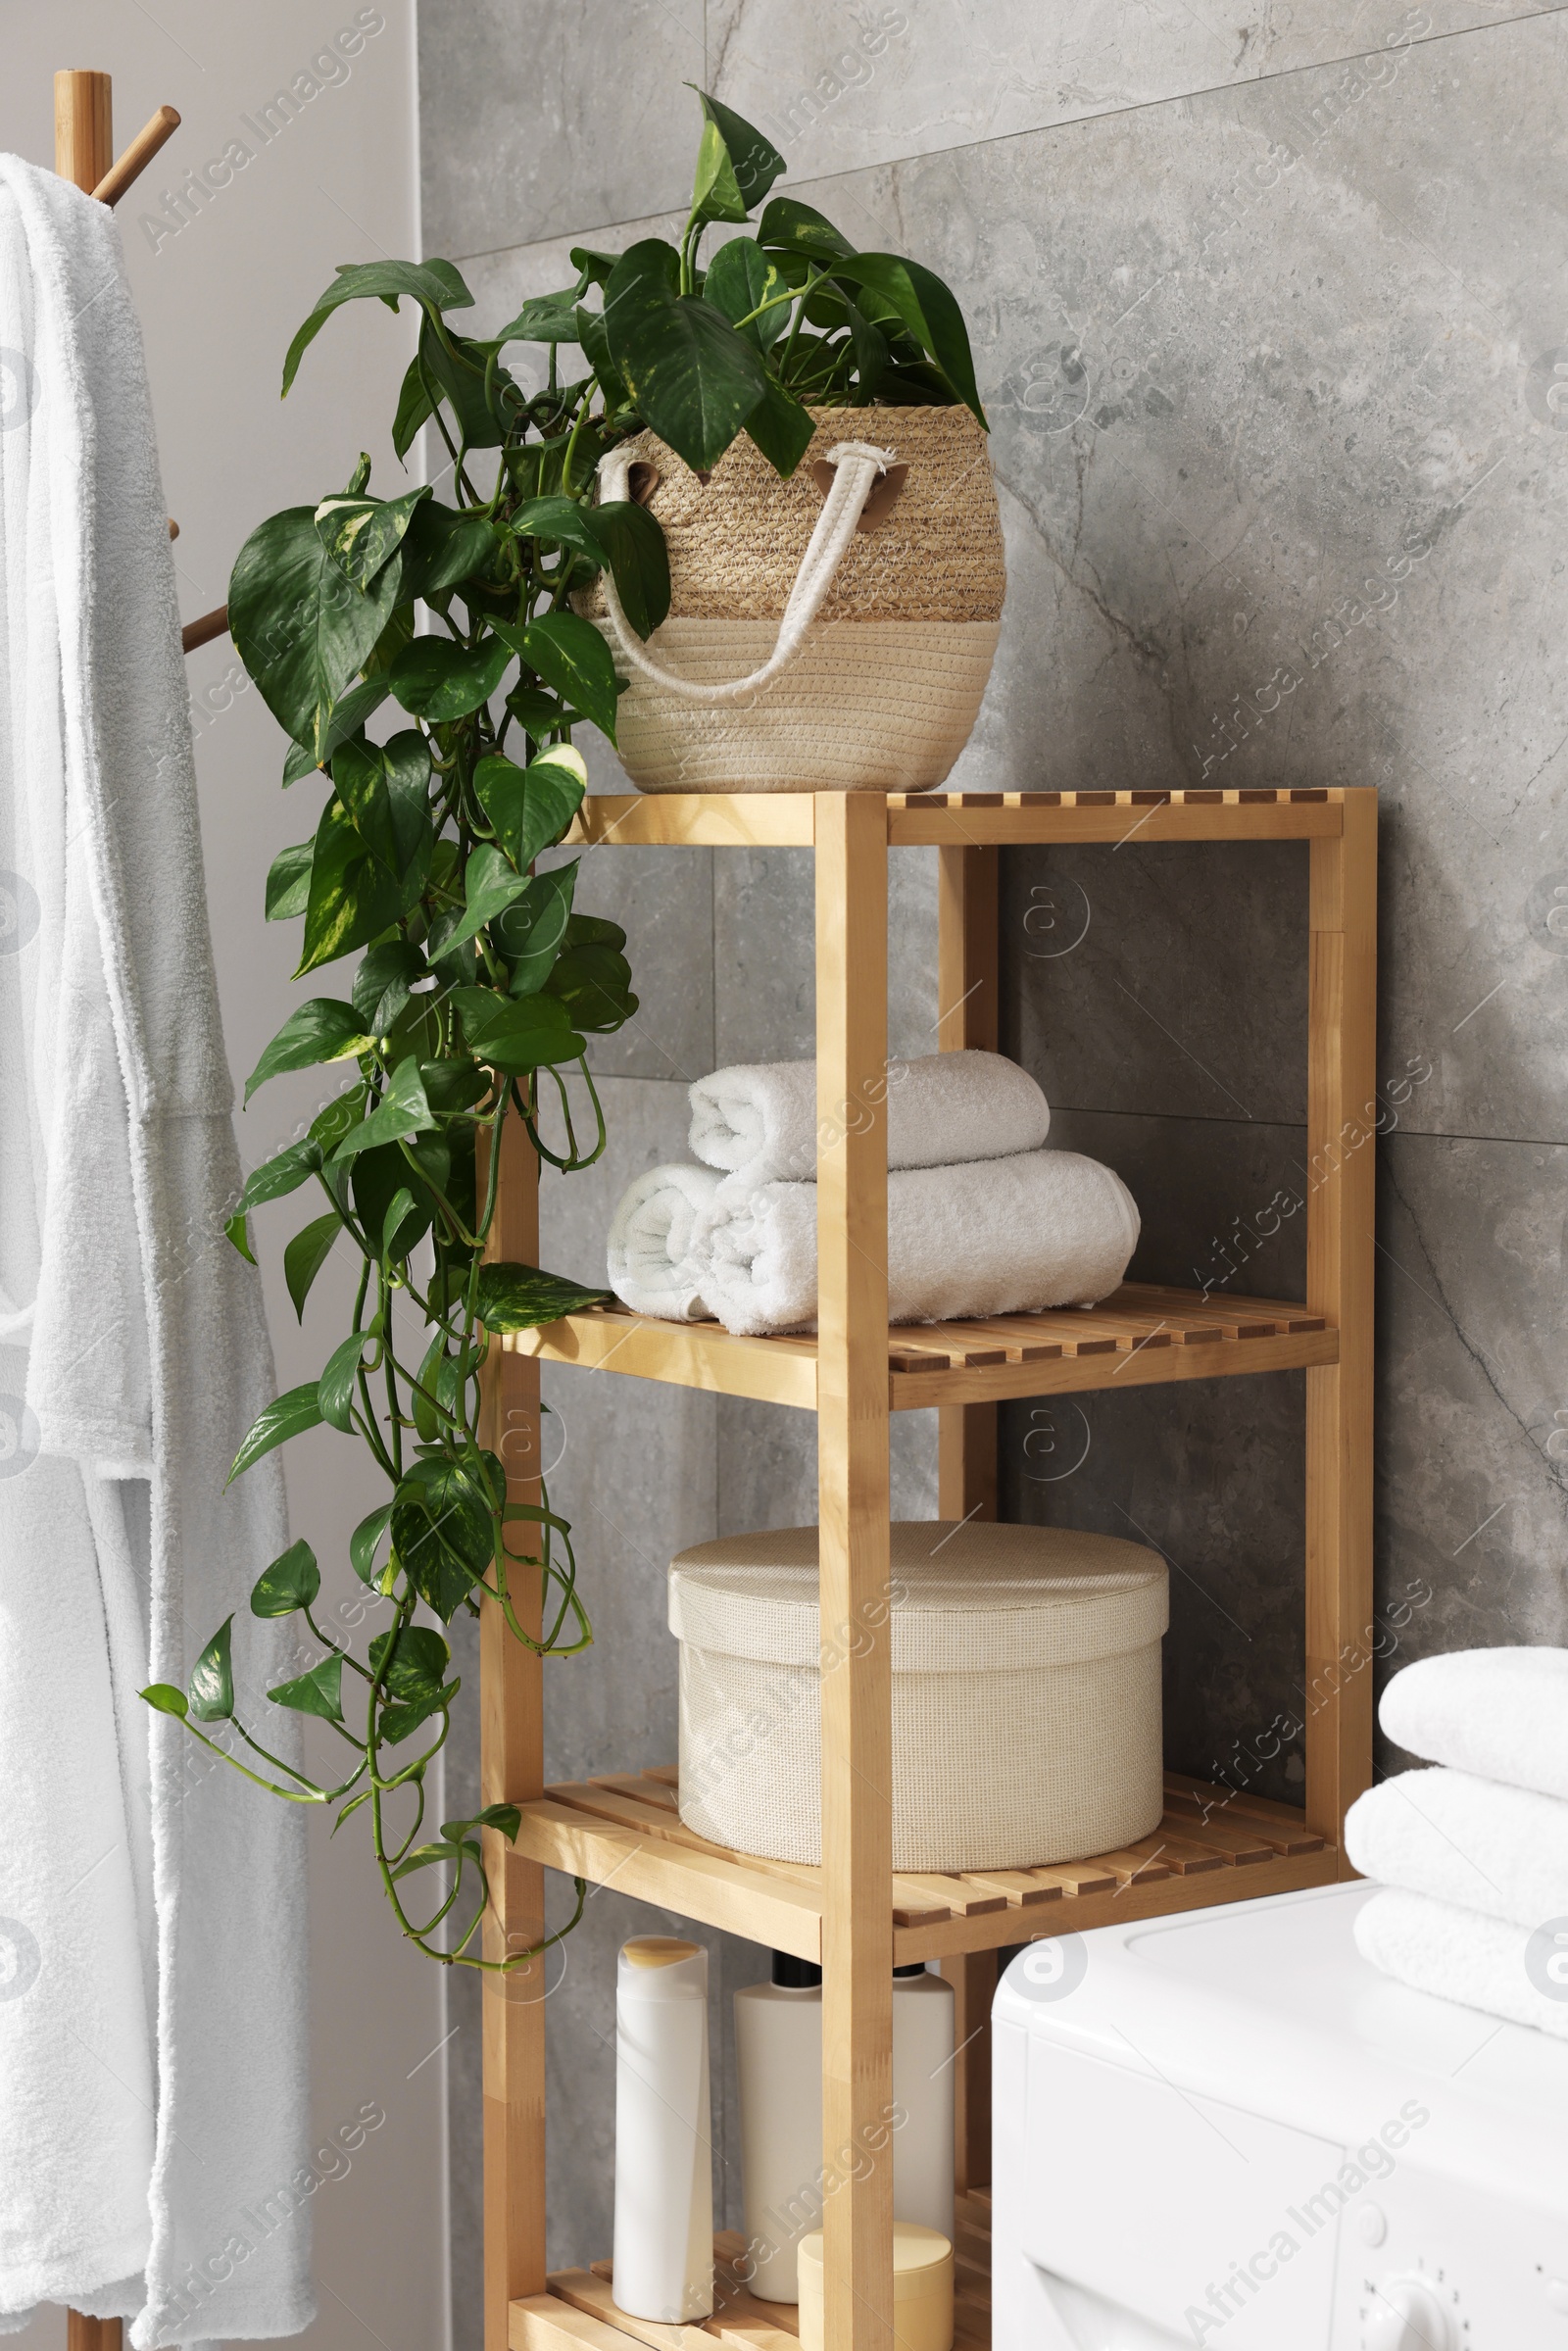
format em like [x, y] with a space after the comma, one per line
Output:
[218, 301]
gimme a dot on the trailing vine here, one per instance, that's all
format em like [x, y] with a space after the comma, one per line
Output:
[478, 984]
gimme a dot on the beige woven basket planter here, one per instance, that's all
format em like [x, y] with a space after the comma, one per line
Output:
[1026, 1693]
[831, 632]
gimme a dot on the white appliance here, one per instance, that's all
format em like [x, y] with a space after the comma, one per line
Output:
[1226, 2128]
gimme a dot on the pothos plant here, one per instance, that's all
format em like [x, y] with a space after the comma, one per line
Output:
[478, 983]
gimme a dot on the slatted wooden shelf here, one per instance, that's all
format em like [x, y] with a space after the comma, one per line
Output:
[1212, 1846]
[1140, 1335]
[577, 2311]
[964, 819]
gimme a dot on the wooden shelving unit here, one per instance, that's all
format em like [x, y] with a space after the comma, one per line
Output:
[855, 1913]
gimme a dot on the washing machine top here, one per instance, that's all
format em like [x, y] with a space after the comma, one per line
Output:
[1269, 2006]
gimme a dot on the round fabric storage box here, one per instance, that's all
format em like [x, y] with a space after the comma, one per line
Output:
[1026, 1692]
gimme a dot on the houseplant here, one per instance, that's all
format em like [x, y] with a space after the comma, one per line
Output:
[478, 984]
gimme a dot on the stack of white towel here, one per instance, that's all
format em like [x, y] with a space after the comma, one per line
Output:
[1473, 1856]
[981, 1219]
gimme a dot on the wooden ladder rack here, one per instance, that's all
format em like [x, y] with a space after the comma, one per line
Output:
[856, 1914]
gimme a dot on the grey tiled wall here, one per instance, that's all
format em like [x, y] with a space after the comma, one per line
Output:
[1269, 320]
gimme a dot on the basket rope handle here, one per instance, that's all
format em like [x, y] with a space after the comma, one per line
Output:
[856, 464]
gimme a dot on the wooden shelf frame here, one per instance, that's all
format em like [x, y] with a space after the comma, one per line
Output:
[855, 1913]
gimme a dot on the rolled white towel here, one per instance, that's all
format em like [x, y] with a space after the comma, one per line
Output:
[990, 1237]
[652, 1268]
[1474, 1842]
[1519, 1973]
[1501, 1713]
[759, 1121]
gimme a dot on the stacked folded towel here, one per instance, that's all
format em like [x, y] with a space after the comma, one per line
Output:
[1473, 1856]
[981, 1220]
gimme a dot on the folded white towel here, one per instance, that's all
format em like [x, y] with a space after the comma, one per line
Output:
[759, 1121]
[653, 1267]
[991, 1236]
[1475, 1842]
[1493, 1964]
[1501, 1713]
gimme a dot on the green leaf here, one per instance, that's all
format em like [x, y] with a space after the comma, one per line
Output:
[443, 1533]
[927, 309]
[361, 534]
[547, 318]
[211, 1697]
[519, 1297]
[402, 1110]
[352, 896]
[439, 680]
[323, 1030]
[288, 882]
[334, 1389]
[754, 162]
[346, 718]
[413, 409]
[165, 1698]
[517, 1033]
[291, 1583]
[741, 279]
[364, 1544]
[560, 522]
[715, 192]
[790, 227]
[384, 983]
[532, 930]
[693, 377]
[320, 1692]
[593, 266]
[406, 1220]
[301, 628]
[639, 561]
[416, 1659]
[435, 285]
[571, 656]
[457, 369]
[444, 546]
[238, 1233]
[283, 1173]
[385, 788]
[289, 1416]
[595, 345]
[489, 885]
[593, 983]
[781, 428]
[870, 348]
[507, 1818]
[307, 1253]
[531, 807]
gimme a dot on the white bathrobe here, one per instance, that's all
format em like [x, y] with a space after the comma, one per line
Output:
[153, 2069]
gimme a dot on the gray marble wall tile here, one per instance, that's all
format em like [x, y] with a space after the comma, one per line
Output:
[838, 89]
[1473, 1390]
[1159, 978]
[664, 901]
[765, 929]
[538, 121]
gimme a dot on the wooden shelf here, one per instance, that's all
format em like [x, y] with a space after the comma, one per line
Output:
[1138, 1336]
[1211, 1846]
[577, 2311]
[961, 819]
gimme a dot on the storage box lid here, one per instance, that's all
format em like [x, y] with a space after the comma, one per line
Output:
[965, 1598]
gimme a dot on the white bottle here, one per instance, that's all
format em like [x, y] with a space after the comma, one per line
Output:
[778, 2050]
[922, 2090]
[778, 2060]
[663, 2265]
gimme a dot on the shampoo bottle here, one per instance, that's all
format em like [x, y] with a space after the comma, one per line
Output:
[778, 2059]
[663, 2265]
[922, 2090]
[778, 2048]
